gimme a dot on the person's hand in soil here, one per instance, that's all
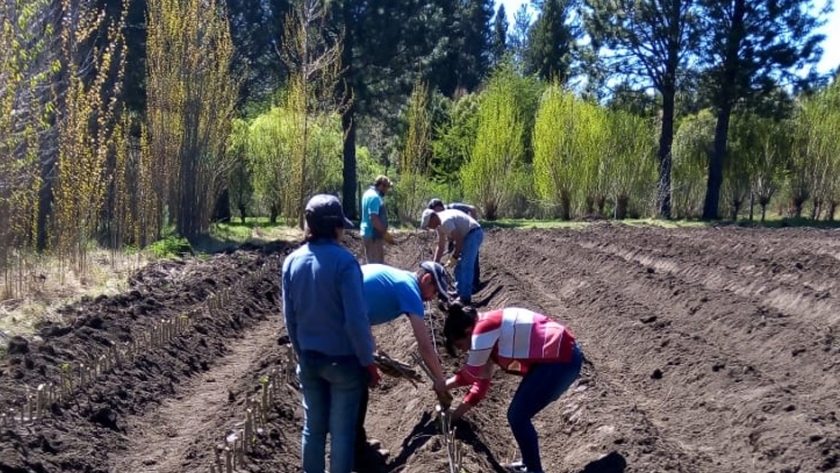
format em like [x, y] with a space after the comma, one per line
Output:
[458, 414]
[389, 238]
[444, 396]
[374, 375]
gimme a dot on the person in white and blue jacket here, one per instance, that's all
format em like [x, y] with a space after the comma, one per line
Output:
[326, 316]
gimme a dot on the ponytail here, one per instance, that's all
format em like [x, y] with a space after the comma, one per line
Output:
[458, 319]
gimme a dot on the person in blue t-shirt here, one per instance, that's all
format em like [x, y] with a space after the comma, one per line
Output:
[374, 221]
[390, 293]
[325, 314]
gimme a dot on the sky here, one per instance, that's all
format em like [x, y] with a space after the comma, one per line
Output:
[831, 30]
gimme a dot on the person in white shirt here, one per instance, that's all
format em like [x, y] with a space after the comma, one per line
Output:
[467, 235]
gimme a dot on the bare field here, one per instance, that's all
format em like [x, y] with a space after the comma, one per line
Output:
[708, 350]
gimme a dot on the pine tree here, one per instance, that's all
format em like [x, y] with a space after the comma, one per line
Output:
[551, 42]
[500, 27]
[750, 45]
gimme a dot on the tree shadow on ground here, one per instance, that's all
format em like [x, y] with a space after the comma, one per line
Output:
[613, 462]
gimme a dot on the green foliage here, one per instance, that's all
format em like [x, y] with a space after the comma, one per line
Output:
[551, 42]
[411, 189]
[498, 154]
[455, 139]
[692, 147]
[630, 162]
[169, 247]
[269, 145]
[568, 150]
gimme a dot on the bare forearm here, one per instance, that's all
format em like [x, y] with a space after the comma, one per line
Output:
[427, 352]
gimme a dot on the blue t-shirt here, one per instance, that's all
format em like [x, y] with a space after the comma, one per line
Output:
[390, 292]
[372, 204]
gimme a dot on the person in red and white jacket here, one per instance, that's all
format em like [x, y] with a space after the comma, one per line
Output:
[521, 342]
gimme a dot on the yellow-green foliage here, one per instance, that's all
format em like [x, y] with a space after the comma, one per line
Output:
[630, 163]
[269, 145]
[413, 182]
[85, 131]
[190, 105]
[691, 150]
[27, 64]
[313, 59]
[816, 159]
[569, 144]
[497, 157]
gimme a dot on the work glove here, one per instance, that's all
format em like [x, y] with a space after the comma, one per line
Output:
[374, 375]
[451, 262]
[389, 239]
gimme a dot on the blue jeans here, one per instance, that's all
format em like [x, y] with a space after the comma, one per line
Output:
[465, 269]
[543, 384]
[332, 389]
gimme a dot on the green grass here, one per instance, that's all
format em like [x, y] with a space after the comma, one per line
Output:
[532, 224]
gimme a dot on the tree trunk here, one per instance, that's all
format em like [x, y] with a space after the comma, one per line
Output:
[348, 119]
[666, 139]
[621, 205]
[763, 212]
[565, 205]
[752, 205]
[832, 208]
[726, 93]
[601, 204]
[242, 210]
[221, 212]
[273, 213]
[715, 179]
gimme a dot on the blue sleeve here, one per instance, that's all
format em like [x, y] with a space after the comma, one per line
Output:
[375, 205]
[288, 307]
[355, 312]
[411, 302]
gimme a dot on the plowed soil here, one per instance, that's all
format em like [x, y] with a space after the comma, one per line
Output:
[708, 350]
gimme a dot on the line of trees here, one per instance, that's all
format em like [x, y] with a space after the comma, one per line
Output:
[120, 119]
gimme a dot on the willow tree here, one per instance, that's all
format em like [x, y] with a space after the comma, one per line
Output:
[190, 105]
[27, 66]
[497, 156]
[312, 55]
[414, 159]
[815, 166]
[771, 155]
[629, 155]
[568, 139]
[693, 145]
[86, 126]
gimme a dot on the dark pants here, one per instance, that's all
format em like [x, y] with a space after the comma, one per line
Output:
[476, 272]
[361, 435]
[543, 385]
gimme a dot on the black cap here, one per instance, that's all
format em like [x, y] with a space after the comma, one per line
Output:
[434, 203]
[325, 210]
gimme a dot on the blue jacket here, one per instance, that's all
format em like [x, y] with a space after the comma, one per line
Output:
[323, 302]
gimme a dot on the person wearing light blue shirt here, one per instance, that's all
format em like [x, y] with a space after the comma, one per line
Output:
[374, 221]
[326, 317]
[391, 293]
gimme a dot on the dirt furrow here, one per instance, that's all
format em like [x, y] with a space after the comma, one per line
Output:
[159, 440]
[718, 383]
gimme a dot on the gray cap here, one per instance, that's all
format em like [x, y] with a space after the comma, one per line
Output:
[325, 209]
[440, 276]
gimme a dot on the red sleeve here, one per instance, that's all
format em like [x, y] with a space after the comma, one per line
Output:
[477, 392]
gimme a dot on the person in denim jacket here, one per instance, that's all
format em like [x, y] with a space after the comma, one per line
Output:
[326, 317]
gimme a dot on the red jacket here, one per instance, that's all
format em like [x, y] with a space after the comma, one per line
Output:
[514, 339]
